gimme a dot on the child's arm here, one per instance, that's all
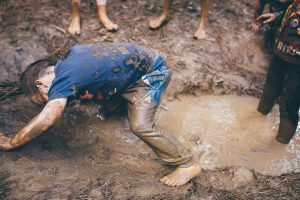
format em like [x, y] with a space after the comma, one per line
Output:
[266, 18]
[260, 5]
[42, 122]
[270, 17]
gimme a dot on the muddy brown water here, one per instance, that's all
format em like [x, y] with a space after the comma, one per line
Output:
[227, 131]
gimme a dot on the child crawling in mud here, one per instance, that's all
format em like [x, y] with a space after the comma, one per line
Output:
[98, 72]
[283, 79]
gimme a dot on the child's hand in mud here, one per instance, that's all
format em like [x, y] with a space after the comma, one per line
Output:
[5, 143]
[266, 18]
[255, 27]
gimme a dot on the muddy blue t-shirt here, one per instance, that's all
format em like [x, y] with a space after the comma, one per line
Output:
[98, 71]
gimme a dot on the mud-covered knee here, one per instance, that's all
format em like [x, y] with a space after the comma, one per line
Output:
[141, 129]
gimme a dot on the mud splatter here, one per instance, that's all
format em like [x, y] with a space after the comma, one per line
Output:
[123, 50]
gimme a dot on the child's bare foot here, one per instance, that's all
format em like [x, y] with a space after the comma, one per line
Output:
[158, 22]
[181, 175]
[107, 23]
[200, 34]
[74, 27]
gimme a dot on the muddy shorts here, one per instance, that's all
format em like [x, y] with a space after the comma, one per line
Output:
[143, 100]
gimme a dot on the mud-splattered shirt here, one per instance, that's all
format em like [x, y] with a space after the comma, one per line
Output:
[287, 40]
[98, 71]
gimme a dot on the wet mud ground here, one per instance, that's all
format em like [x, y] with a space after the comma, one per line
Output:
[86, 157]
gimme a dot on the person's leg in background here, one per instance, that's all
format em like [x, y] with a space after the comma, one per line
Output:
[273, 86]
[103, 18]
[200, 32]
[289, 104]
[164, 17]
[74, 27]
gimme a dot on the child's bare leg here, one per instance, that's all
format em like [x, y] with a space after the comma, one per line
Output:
[156, 23]
[74, 27]
[181, 175]
[103, 18]
[200, 33]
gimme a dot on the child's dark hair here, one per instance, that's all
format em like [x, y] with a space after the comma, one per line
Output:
[32, 73]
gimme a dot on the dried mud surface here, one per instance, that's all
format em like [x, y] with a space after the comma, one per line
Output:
[84, 157]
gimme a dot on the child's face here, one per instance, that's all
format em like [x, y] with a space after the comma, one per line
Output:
[38, 99]
[43, 84]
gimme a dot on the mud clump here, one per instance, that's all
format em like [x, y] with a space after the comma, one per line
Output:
[243, 175]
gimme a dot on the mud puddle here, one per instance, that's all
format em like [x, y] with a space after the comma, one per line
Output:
[231, 133]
